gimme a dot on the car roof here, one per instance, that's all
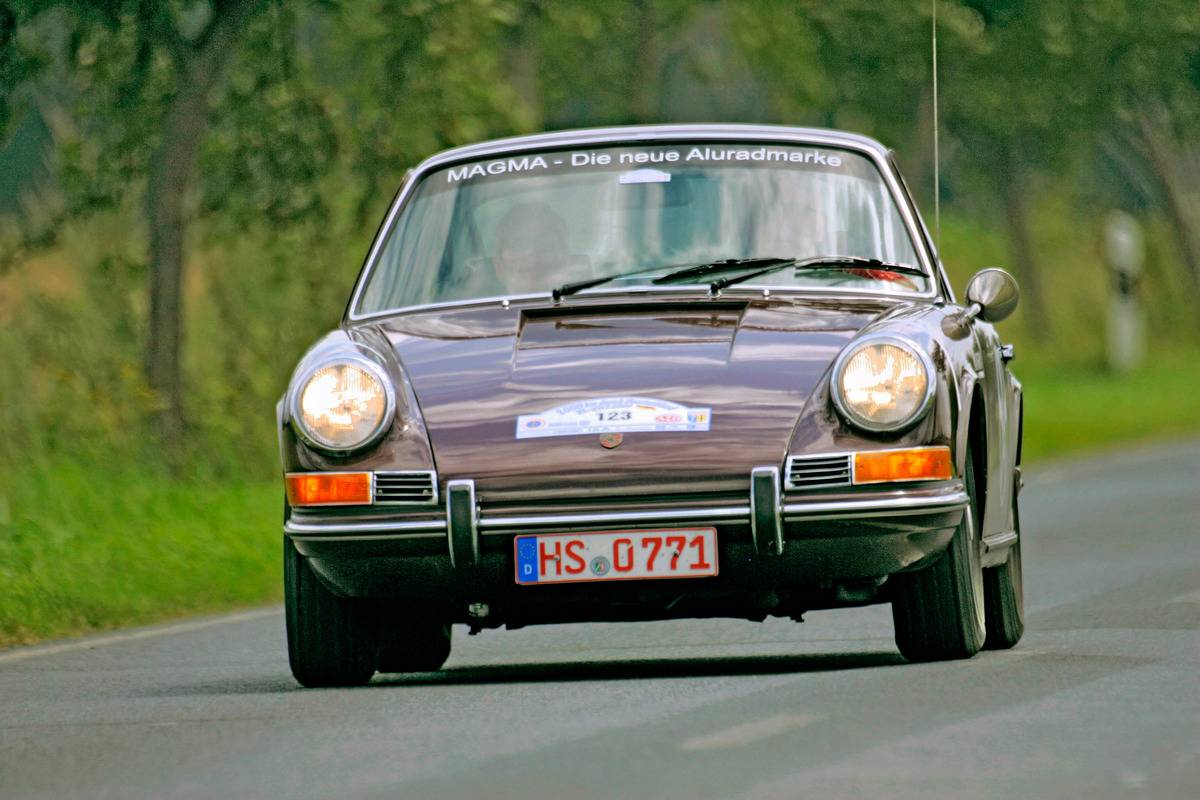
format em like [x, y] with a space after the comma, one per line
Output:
[631, 134]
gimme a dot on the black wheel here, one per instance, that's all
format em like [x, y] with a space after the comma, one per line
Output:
[412, 644]
[332, 641]
[938, 610]
[1004, 594]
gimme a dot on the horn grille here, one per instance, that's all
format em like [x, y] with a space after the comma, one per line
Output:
[818, 472]
[406, 488]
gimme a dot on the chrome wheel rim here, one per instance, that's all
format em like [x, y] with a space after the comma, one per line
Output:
[974, 565]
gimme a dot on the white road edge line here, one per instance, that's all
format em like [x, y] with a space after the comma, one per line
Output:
[749, 732]
[35, 651]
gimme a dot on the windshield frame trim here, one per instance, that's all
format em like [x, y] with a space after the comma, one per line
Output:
[656, 136]
[700, 291]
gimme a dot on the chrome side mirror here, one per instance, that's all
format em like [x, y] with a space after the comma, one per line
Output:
[992, 294]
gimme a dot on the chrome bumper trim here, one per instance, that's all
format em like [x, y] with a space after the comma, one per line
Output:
[437, 527]
[666, 515]
[376, 530]
[887, 507]
[373, 530]
[371, 537]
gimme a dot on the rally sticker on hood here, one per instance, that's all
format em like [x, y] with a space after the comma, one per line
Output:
[613, 415]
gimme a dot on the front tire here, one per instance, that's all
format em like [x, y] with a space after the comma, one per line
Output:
[413, 644]
[1004, 594]
[938, 611]
[332, 641]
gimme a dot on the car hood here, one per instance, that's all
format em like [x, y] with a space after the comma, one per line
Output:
[751, 364]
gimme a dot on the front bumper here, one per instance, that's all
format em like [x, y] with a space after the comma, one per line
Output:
[939, 499]
[455, 555]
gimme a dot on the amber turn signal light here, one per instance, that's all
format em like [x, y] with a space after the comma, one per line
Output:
[329, 488]
[918, 464]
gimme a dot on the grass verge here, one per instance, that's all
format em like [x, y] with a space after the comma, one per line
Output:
[1074, 409]
[85, 548]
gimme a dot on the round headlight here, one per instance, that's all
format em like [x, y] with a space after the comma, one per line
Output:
[882, 384]
[343, 405]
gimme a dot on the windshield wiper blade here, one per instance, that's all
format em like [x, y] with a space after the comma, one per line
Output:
[566, 289]
[762, 265]
[724, 265]
[559, 292]
[819, 263]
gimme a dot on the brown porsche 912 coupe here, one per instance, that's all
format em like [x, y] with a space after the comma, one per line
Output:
[648, 373]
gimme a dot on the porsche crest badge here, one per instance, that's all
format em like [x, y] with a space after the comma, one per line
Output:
[610, 440]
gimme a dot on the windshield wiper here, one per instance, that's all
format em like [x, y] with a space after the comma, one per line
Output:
[724, 265]
[762, 265]
[566, 289]
[820, 263]
[691, 271]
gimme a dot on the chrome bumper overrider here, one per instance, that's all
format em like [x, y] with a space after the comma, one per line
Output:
[897, 504]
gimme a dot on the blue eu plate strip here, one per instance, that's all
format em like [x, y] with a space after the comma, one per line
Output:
[527, 566]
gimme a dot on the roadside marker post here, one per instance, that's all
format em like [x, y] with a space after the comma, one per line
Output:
[1124, 251]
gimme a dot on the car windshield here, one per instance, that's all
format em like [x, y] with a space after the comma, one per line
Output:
[525, 224]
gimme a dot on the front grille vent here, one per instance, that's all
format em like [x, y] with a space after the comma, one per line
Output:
[818, 472]
[406, 488]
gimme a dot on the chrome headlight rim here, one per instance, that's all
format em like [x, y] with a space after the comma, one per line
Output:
[843, 408]
[352, 359]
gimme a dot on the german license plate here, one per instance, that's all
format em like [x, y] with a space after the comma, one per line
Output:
[616, 555]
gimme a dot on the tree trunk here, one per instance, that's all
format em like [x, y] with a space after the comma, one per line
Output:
[171, 174]
[1024, 265]
[1170, 171]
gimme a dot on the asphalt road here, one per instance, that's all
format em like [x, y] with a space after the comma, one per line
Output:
[1100, 700]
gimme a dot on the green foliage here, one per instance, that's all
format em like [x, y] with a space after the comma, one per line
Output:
[604, 63]
[272, 138]
[405, 79]
[73, 354]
